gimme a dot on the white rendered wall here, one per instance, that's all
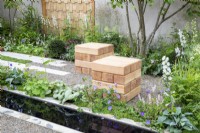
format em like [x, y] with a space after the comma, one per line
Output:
[5, 13]
[106, 16]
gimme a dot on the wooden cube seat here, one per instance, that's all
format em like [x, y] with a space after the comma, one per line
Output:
[120, 73]
[88, 52]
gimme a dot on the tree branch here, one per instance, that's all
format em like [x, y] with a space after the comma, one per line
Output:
[145, 6]
[150, 39]
[136, 11]
[176, 11]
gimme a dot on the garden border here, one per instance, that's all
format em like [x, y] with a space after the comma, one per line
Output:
[84, 109]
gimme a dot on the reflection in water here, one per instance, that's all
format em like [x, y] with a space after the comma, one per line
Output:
[66, 117]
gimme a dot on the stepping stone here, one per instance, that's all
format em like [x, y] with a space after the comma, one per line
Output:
[41, 69]
[88, 52]
[36, 59]
[120, 73]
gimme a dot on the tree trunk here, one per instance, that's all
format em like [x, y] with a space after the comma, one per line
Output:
[142, 51]
[129, 29]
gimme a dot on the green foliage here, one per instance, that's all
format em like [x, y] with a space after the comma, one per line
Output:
[4, 71]
[9, 4]
[120, 42]
[65, 93]
[175, 121]
[7, 58]
[105, 101]
[70, 48]
[29, 49]
[15, 77]
[35, 87]
[31, 20]
[56, 49]
[186, 75]
[4, 27]
[152, 64]
[114, 38]
[151, 111]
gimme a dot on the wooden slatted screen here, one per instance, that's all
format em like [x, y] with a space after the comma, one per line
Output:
[77, 12]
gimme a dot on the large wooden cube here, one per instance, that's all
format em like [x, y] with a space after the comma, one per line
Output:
[86, 53]
[120, 73]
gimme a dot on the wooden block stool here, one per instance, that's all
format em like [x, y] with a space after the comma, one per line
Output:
[88, 52]
[123, 74]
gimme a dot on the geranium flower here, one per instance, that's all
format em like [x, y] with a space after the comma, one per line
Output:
[109, 108]
[142, 113]
[148, 122]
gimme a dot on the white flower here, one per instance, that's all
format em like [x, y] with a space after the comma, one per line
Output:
[167, 59]
[54, 21]
[169, 78]
[168, 64]
[163, 58]
[152, 61]
[178, 52]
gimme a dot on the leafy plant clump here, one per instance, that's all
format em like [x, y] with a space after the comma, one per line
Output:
[15, 77]
[35, 87]
[176, 121]
[106, 102]
[56, 49]
[65, 93]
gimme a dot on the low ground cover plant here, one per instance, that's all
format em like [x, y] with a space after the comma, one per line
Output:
[7, 58]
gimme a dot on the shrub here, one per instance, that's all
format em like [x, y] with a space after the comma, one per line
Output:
[56, 49]
[70, 48]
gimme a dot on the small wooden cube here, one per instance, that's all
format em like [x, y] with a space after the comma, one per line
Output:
[96, 75]
[86, 71]
[119, 79]
[108, 77]
[127, 97]
[122, 89]
[114, 64]
[93, 48]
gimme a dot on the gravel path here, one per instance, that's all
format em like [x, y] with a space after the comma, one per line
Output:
[75, 78]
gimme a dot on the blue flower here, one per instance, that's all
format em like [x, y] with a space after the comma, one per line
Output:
[168, 90]
[109, 108]
[108, 91]
[118, 96]
[109, 101]
[23, 40]
[11, 65]
[161, 91]
[148, 91]
[142, 113]
[94, 87]
[148, 122]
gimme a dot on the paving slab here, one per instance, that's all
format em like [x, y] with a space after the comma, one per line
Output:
[37, 68]
[36, 59]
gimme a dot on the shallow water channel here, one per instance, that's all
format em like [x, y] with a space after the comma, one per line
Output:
[64, 116]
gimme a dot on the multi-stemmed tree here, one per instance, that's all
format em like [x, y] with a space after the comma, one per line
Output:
[140, 7]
